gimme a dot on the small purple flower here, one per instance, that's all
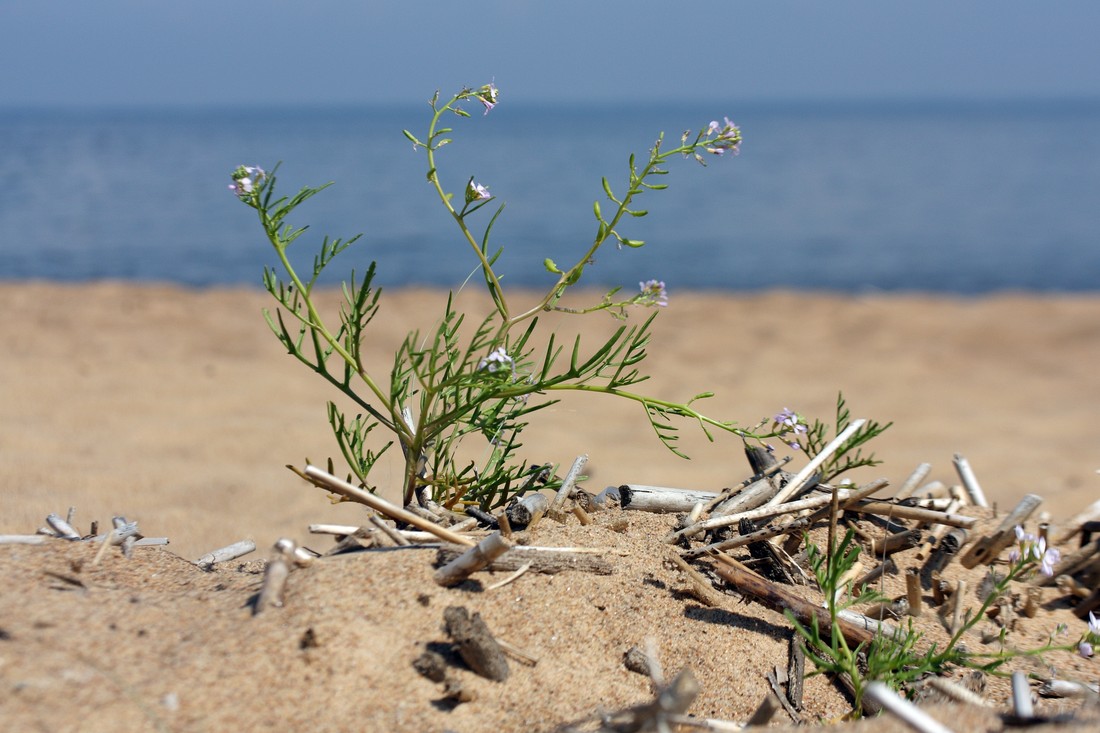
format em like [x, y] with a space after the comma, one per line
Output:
[1085, 649]
[653, 293]
[476, 192]
[487, 95]
[787, 416]
[496, 361]
[1034, 549]
[245, 180]
[723, 137]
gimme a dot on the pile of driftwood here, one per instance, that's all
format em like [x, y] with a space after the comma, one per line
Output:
[749, 539]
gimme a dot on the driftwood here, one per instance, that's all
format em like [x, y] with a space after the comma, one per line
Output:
[225, 554]
[527, 510]
[986, 549]
[568, 483]
[476, 558]
[802, 478]
[1070, 564]
[547, 560]
[970, 481]
[659, 499]
[902, 709]
[761, 534]
[920, 473]
[898, 511]
[338, 486]
[780, 599]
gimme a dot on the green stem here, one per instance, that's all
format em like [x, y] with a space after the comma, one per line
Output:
[317, 325]
[433, 176]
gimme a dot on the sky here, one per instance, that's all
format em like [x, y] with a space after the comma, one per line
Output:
[264, 52]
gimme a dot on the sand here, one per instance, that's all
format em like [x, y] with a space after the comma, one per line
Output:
[177, 408]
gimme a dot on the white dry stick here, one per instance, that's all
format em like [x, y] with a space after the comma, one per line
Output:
[23, 539]
[803, 476]
[970, 481]
[902, 709]
[389, 531]
[765, 511]
[956, 692]
[1021, 696]
[275, 575]
[379, 504]
[568, 483]
[347, 530]
[62, 528]
[476, 558]
[224, 554]
[920, 473]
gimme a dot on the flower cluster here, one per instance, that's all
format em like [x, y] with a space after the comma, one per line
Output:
[496, 361]
[487, 95]
[246, 178]
[652, 293]
[1030, 548]
[787, 421]
[726, 137]
[476, 192]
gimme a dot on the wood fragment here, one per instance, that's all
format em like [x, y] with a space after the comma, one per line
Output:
[475, 643]
[568, 483]
[986, 549]
[224, 554]
[525, 512]
[802, 477]
[23, 539]
[759, 513]
[779, 599]
[61, 528]
[661, 500]
[913, 592]
[331, 483]
[920, 473]
[970, 481]
[902, 709]
[1021, 696]
[541, 560]
[391, 532]
[761, 534]
[956, 692]
[796, 670]
[886, 567]
[777, 695]
[476, 558]
[896, 542]
[897, 511]
[699, 586]
[582, 516]
[958, 602]
[274, 584]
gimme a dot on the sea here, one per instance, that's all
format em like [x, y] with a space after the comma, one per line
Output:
[960, 197]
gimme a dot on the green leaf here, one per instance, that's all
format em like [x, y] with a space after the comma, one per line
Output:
[551, 266]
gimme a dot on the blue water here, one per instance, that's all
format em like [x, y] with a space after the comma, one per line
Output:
[941, 197]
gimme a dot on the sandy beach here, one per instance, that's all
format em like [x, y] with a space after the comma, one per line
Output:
[177, 408]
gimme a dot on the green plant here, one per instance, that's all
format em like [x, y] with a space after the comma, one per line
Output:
[896, 660]
[815, 437]
[485, 378]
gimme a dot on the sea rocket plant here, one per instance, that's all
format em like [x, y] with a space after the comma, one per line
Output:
[462, 378]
